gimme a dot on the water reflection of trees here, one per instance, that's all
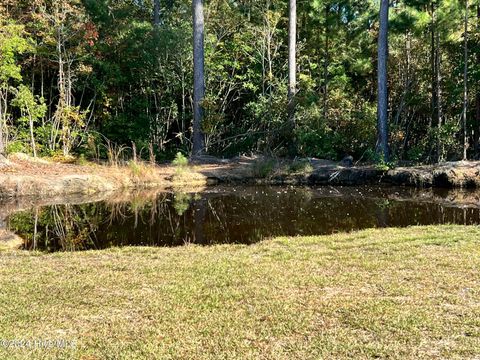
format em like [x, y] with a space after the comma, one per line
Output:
[238, 215]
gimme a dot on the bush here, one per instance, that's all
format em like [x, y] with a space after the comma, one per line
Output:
[16, 147]
[300, 166]
[180, 160]
[262, 168]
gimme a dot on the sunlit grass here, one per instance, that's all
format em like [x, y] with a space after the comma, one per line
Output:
[394, 293]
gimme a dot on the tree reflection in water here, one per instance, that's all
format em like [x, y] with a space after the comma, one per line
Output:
[227, 215]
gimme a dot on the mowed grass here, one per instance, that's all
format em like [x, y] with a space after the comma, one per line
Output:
[395, 293]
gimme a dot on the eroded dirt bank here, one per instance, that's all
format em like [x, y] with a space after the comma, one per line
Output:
[42, 179]
[27, 177]
[323, 172]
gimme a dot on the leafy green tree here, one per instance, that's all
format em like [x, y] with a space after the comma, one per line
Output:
[31, 108]
[13, 41]
[121, 71]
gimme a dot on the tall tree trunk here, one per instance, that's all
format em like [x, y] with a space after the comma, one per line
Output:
[438, 94]
[434, 121]
[325, 65]
[438, 88]
[292, 59]
[292, 77]
[382, 110]
[156, 13]
[59, 113]
[477, 97]
[436, 80]
[465, 83]
[198, 76]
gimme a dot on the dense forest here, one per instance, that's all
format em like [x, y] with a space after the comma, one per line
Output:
[88, 77]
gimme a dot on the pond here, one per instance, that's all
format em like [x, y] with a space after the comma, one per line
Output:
[236, 215]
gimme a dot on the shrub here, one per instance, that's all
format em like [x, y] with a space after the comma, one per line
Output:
[300, 166]
[180, 160]
[16, 147]
[81, 160]
[262, 168]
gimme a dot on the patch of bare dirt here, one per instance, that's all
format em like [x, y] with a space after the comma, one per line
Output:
[9, 240]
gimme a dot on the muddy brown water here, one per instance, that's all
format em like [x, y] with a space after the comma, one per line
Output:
[236, 215]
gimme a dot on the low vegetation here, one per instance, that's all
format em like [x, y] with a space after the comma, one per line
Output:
[300, 166]
[180, 162]
[393, 293]
[186, 174]
[263, 167]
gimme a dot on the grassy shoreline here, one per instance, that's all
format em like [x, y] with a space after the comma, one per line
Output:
[391, 293]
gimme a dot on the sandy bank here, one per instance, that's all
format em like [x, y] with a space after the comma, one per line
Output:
[34, 178]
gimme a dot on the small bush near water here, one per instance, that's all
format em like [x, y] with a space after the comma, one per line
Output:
[262, 168]
[180, 161]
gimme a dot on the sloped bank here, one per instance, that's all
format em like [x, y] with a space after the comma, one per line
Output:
[446, 175]
[33, 179]
[44, 186]
[14, 186]
[41, 179]
[462, 174]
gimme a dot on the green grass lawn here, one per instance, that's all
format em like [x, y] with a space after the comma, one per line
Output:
[395, 293]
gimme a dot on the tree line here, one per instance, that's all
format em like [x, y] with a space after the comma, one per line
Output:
[379, 80]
